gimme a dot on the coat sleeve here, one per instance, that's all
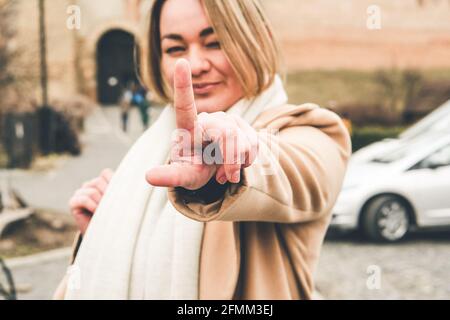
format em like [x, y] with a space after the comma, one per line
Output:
[297, 176]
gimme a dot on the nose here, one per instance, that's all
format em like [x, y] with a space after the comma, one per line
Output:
[199, 62]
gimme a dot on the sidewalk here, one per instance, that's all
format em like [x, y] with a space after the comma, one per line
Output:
[36, 277]
[104, 145]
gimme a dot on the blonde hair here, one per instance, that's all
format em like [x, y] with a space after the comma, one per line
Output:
[245, 36]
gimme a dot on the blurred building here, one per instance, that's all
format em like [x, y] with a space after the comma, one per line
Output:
[330, 34]
[97, 59]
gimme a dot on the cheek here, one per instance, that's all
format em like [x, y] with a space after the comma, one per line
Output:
[224, 67]
[235, 91]
[167, 69]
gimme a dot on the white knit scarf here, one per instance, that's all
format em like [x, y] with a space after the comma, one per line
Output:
[137, 245]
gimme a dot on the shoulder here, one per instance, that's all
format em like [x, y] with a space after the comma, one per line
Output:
[306, 123]
[294, 115]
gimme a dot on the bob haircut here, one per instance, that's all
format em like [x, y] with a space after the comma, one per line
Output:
[245, 36]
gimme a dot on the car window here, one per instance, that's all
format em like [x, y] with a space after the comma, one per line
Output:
[438, 158]
[441, 125]
[403, 150]
[437, 120]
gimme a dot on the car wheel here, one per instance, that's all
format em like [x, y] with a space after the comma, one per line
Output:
[386, 219]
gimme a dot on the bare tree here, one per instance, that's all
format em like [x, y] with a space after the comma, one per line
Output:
[18, 72]
[6, 47]
[43, 53]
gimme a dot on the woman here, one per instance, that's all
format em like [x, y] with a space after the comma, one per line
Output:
[247, 225]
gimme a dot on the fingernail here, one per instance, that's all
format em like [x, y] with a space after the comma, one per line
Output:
[235, 177]
[222, 180]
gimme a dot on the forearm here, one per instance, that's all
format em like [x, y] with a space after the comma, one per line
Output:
[296, 178]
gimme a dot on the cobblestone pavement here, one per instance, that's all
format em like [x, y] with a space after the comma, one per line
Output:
[418, 268]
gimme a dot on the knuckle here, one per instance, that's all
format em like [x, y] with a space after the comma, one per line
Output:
[184, 106]
[202, 116]
[92, 192]
[235, 117]
[97, 181]
[219, 114]
[88, 183]
[82, 199]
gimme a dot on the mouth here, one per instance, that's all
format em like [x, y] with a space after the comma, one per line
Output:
[205, 87]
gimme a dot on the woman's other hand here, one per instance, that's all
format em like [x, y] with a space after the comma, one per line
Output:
[85, 200]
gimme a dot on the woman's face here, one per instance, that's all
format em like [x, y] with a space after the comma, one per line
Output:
[186, 33]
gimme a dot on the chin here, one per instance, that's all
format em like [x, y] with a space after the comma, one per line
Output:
[210, 104]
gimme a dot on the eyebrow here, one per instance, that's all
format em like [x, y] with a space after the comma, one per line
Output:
[173, 36]
[206, 32]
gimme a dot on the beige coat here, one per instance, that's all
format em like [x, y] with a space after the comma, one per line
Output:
[263, 238]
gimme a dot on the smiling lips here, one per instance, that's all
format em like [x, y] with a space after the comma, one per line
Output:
[205, 87]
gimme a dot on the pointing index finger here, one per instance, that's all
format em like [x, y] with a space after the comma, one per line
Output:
[186, 112]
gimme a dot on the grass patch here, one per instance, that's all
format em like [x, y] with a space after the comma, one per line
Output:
[363, 136]
[362, 97]
[327, 88]
[335, 87]
[42, 231]
[3, 158]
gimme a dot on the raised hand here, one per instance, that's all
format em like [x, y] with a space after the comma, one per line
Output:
[232, 138]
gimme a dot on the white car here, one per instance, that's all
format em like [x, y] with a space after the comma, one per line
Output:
[398, 190]
[438, 120]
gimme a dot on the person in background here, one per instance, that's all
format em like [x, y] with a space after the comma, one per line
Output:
[140, 100]
[125, 106]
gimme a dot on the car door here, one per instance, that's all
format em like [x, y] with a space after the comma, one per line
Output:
[428, 187]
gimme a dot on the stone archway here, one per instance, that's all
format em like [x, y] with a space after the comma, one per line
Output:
[87, 46]
[116, 66]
